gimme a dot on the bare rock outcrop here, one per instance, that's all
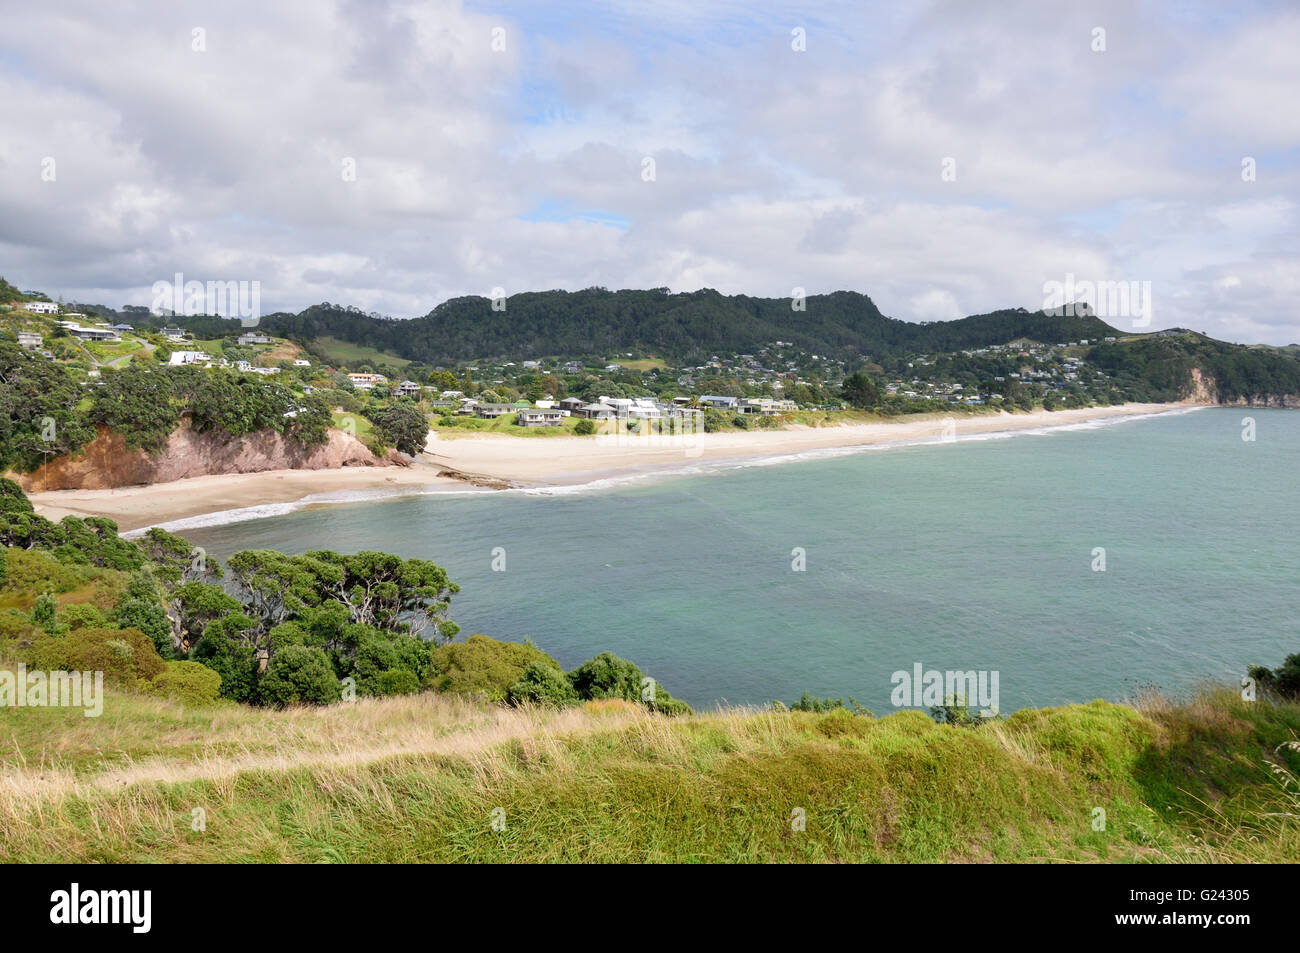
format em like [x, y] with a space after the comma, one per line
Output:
[107, 462]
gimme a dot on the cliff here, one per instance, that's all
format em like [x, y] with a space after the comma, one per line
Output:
[106, 462]
[1205, 390]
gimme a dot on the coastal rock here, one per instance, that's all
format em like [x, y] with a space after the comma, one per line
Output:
[1205, 390]
[106, 462]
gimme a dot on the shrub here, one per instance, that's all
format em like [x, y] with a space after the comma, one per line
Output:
[125, 656]
[188, 682]
[585, 427]
[481, 664]
[81, 616]
[1283, 680]
[151, 619]
[235, 662]
[298, 674]
[542, 684]
[34, 570]
[607, 676]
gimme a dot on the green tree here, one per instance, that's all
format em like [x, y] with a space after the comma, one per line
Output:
[860, 391]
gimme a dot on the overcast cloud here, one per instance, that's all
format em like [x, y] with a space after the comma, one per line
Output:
[774, 168]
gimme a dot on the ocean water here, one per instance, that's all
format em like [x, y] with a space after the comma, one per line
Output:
[975, 555]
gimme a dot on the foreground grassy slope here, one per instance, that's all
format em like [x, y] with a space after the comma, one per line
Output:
[418, 779]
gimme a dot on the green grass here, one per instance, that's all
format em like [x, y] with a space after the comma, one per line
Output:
[503, 425]
[362, 424]
[346, 353]
[419, 779]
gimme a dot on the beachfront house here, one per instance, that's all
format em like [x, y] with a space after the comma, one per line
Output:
[599, 410]
[540, 417]
[718, 403]
[571, 404]
[765, 406]
[493, 411]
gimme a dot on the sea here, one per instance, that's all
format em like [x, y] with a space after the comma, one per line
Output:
[1093, 560]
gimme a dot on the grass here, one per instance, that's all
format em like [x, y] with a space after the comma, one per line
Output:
[344, 352]
[362, 424]
[421, 778]
[646, 364]
[502, 425]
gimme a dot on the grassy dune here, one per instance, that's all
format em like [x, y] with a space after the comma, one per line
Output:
[418, 779]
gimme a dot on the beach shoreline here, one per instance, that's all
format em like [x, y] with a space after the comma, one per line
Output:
[485, 462]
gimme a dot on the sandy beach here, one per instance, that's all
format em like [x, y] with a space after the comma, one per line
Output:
[523, 461]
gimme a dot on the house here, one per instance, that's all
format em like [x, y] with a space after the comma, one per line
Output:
[573, 367]
[179, 358]
[366, 381]
[613, 367]
[40, 307]
[89, 334]
[29, 339]
[173, 334]
[544, 404]
[532, 365]
[253, 337]
[122, 327]
[407, 388]
[572, 404]
[765, 406]
[596, 411]
[452, 395]
[718, 403]
[301, 363]
[540, 417]
[493, 411]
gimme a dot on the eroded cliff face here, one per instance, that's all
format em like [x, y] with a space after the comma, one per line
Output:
[1206, 391]
[106, 462]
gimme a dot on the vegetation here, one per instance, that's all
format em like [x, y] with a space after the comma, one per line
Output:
[431, 778]
[266, 628]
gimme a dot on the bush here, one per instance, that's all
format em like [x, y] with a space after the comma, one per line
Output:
[34, 570]
[151, 619]
[1283, 680]
[188, 682]
[125, 656]
[299, 674]
[542, 684]
[607, 676]
[81, 616]
[481, 664]
[585, 427]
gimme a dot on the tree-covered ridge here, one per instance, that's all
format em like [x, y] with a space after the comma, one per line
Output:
[267, 628]
[685, 326]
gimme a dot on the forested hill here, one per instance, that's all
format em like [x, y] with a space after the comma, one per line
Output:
[687, 326]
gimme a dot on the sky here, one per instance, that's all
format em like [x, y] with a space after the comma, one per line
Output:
[944, 158]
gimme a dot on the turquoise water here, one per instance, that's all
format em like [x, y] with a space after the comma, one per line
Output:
[976, 555]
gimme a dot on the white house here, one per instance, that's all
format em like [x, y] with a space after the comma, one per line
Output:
[41, 307]
[28, 339]
[253, 337]
[301, 363]
[179, 358]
